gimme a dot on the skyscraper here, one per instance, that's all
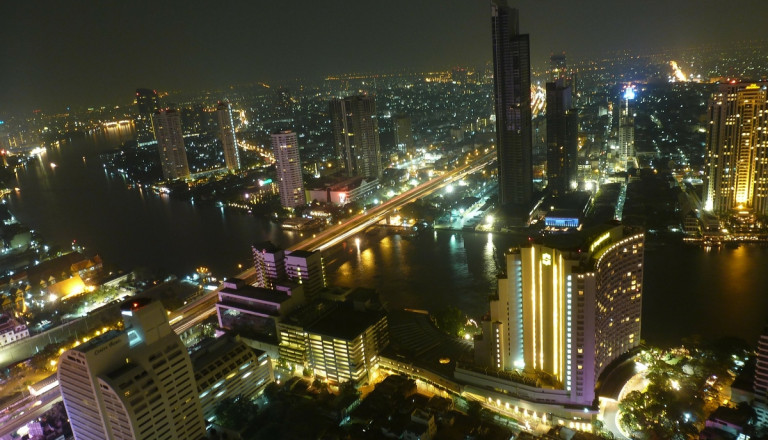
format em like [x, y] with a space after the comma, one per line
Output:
[132, 384]
[170, 144]
[627, 154]
[285, 145]
[227, 136]
[403, 135]
[356, 135]
[567, 311]
[512, 85]
[562, 138]
[147, 103]
[737, 149]
[558, 67]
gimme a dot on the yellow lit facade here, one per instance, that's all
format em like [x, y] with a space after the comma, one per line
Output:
[565, 313]
[737, 148]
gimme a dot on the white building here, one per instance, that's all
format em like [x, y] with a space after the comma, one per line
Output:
[227, 136]
[170, 144]
[11, 330]
[132, 384]
[285, 146]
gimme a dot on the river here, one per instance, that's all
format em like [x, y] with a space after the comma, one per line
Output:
[687, 290]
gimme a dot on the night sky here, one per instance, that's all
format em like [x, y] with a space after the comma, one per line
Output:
[59, 53]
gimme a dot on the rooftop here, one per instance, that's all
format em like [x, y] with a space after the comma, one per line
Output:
[345, 323]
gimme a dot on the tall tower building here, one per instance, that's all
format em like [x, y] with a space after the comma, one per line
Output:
[132, 384]
[404, 135]
[147, 103]
[567, 312]
[356, 135]
[558, 67]
[737, 149]
[170, 144]
[627, 153]
[227, 136]
[512, 84]
[285, 145]
[562, 138]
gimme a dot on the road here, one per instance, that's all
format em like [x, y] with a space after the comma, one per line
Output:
[205, 306]
[338, 233]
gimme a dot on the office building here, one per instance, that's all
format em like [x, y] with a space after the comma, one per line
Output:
[227, 368]
[254, 311]
[562, 138]
[404, 135]
[512, 88]
[737, 149]
[285, 146]
[339, 343]
[227, 136]
[170, 144]
[269, 263]
[356, 135]
[132, 384]
[147, 103]
[308, 269]
[566, 308]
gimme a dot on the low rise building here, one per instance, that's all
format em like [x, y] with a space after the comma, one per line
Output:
[12, 330]
[227, 368]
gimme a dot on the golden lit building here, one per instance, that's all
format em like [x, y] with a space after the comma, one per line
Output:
[737, 149]
[565, 309]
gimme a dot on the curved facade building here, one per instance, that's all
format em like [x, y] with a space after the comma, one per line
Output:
[565, 309]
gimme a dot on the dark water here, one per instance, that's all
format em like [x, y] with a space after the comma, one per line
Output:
[687, 290]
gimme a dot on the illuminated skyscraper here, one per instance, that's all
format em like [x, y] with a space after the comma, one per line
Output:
[737, 149]
[403, 135]
[567, 311]
[132, 384]
[147, 103]
[285, 145]
[627, 155]
[512, 83]
[170, 144]
[558, 67]
[562, 138]
[227, 136]
[356, 135]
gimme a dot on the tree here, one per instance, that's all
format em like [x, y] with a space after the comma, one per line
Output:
[450, 319]
[235, 412]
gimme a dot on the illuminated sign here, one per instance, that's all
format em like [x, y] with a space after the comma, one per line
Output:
[629, 92]
[599, 241]
[546, 259]
[265, 182]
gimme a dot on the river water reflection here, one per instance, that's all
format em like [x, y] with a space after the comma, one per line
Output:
[687, 290]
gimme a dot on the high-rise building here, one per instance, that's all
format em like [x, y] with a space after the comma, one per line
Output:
[227, 136]
[147, 103]
[737, 149]
[404, 135]
[761, 380]
[132, 384]
[356, 135]
[170, 144]
[512, 85]
[627, 154]
[562, 138]
[269, 263]
[308, 269]
[285, 145]
[566, 311]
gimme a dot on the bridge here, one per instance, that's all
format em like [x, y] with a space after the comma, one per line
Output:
[204, 307]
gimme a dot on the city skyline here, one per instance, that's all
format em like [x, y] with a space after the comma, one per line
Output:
[117, 39]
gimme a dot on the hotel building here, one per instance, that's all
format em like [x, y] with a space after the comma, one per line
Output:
[737, 149]
[132, 384]
[566, 308]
